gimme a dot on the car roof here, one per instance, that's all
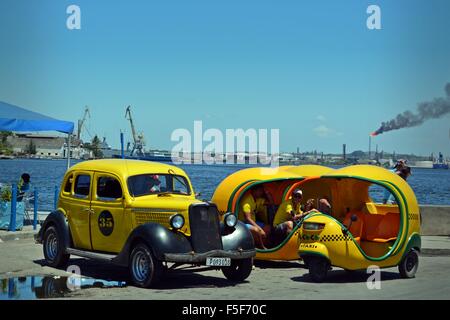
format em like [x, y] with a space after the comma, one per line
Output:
[126, 167]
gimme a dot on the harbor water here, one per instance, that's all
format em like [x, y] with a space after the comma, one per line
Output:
[431, 186]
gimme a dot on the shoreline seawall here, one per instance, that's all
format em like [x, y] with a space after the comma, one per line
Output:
[435, 220]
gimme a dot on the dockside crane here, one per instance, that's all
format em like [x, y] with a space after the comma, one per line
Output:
[138, 138]
[82, 121]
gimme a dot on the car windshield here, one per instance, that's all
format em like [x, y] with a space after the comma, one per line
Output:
[147, 184]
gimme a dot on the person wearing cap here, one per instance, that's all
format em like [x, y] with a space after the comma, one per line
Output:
[401, 163]
[403, 171]
[289, 211]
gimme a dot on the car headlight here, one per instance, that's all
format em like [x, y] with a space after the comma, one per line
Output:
[177, 221]
[313, 226]
[230, 220]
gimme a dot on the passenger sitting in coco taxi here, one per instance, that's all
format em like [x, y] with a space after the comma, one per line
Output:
[289, 212]
[253, 211]
[310, 206]
[324, 206]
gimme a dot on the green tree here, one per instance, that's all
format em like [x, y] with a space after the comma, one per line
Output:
[5, 147]
[95, 147]
[4, 135]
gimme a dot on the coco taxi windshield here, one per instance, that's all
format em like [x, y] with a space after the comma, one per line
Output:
[147, 184]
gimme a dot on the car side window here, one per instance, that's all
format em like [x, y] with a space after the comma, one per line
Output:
[82, 185]
[108, 188]
[68, 185]
[179, 187]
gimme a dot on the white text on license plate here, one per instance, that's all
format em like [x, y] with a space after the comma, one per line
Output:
[218, 262]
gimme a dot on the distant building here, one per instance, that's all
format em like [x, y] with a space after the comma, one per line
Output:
[107, 150]
[47, 146]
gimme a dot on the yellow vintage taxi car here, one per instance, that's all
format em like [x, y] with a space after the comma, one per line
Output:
[143, 215]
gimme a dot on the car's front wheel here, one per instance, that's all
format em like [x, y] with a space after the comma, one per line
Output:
[318, 268]
[53, 247]
[145, 269]
[239, 269]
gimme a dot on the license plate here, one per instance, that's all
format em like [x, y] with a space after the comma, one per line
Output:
[218, 262]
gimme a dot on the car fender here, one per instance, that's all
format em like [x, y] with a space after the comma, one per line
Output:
[58, 219]
[239, 238]
[160, 240]
[316, 249]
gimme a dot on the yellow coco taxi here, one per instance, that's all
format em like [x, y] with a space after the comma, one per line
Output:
[279, 183]
[374, 221]
[142, 214]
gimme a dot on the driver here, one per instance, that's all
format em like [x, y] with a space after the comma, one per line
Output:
[251, 207]
[155, 184]
[288, 212]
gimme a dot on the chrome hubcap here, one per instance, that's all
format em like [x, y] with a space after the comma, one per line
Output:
[51, 246]
[141, 266]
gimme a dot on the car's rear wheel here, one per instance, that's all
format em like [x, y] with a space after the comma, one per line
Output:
[53, 247]
[145, 269]
[409, 264]
[239, 269]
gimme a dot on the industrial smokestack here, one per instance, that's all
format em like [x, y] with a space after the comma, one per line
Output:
[425, 111]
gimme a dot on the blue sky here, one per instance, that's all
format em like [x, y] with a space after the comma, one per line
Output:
[309, 68]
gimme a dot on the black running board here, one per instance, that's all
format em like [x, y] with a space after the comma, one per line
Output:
[91, 255]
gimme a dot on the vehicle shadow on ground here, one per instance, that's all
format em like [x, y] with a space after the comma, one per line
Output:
[173, 279]
[342, 276]
[279, 264]
[180, 279]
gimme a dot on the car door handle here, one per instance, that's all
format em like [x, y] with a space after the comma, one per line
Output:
[88, 210]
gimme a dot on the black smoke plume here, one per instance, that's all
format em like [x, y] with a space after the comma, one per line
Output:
[435, 109]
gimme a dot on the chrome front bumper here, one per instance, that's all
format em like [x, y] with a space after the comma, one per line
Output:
[201, 257]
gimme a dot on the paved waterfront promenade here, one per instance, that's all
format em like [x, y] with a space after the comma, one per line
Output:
[20, 256]
[269, 280]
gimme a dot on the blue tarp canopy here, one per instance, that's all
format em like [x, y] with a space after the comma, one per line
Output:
[13, 118]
